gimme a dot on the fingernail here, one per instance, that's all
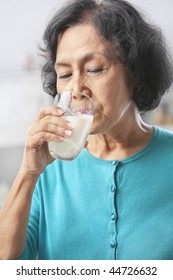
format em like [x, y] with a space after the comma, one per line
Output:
[70, 125]
[68, 132]
[60, 111]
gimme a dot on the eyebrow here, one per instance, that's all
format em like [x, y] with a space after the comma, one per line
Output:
[86, 58]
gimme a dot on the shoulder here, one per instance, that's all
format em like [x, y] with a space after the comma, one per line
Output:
[164, 134]
[164, 141]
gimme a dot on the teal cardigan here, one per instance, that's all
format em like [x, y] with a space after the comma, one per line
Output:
[91, 208]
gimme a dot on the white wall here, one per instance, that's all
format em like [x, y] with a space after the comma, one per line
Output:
[21, 26]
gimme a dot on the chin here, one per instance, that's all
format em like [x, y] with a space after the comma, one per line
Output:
[97, 128]
[93, 130]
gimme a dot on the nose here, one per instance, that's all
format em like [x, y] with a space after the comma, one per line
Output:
[79, 86]
[79, 95]
[81, 101]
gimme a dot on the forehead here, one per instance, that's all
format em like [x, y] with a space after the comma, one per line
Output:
[80, 40]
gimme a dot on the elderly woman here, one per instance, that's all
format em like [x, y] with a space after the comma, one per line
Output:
[114, 201]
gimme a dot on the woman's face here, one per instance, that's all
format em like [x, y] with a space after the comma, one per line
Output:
[82, 65]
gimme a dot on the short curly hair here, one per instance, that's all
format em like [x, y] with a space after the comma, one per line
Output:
[135, 41]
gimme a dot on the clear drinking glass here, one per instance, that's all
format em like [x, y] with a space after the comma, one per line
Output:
[78, 109]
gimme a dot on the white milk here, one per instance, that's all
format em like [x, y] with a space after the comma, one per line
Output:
[71, 146]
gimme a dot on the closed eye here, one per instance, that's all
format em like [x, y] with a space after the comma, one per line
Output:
[95, 70]
[65, 76]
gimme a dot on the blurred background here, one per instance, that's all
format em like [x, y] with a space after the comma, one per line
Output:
[22, 24]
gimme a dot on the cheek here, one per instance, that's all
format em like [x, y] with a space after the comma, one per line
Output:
[103, 94]
[104, 86]
[57, 85]
[60, 87]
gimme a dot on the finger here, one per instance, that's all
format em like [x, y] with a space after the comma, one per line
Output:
[37, 140]
[49, 110]
[47, 114]
[59, 121]
[59, 127]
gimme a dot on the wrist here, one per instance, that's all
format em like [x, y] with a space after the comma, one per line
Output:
[28, 173]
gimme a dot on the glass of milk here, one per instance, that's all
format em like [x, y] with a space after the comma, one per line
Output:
[78, 109]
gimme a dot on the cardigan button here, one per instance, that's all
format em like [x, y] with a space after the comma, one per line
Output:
[113, 244]
[113, 216]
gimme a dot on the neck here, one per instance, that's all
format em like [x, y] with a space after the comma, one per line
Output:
[127, 138]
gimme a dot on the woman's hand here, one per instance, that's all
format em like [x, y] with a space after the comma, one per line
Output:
[48, 126]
